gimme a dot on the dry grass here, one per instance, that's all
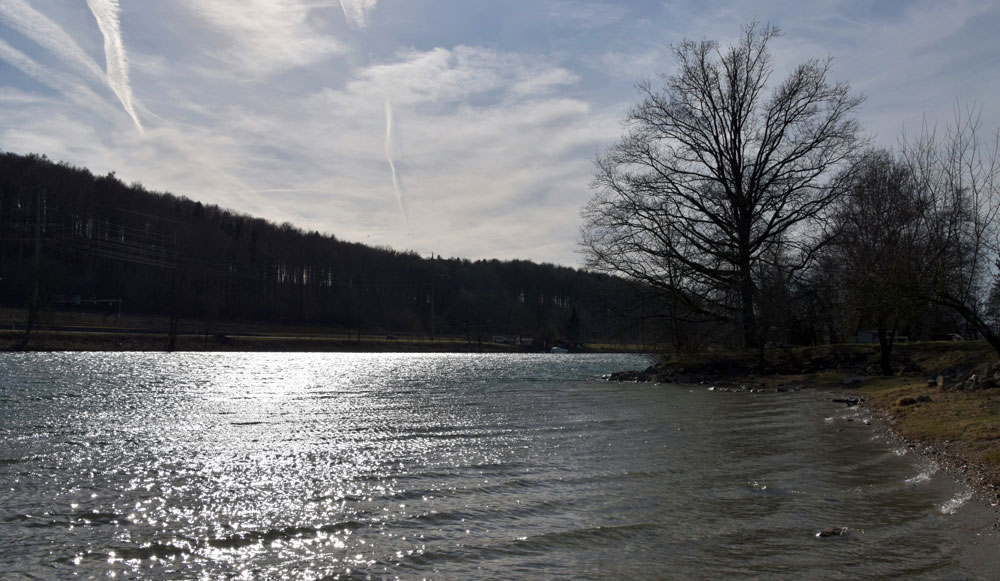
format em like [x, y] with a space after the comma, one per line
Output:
[969, 420]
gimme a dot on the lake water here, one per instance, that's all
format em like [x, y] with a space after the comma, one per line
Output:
[311, 466]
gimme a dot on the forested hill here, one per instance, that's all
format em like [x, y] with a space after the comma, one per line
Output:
[93, 236]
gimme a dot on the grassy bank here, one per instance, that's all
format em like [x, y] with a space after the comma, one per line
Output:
[964, 424]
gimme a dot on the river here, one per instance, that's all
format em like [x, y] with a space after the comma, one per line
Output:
[453, 466]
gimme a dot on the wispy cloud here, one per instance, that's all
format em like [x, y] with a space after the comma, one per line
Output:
[267, 36]
[106, 13]
[493, 170]
[478, 121]
[356, 11]
[586, 15]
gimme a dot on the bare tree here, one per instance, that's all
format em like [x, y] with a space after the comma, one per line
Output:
[713, 169]
[880, 245]
[959, 174]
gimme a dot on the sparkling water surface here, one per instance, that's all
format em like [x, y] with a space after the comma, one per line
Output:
[452, 466]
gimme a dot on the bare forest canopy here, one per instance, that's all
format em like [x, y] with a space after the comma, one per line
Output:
[68, 237]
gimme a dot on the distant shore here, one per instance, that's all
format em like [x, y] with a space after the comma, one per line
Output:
[263, 341]
[278, 342]
[953, 421]
[60, 330]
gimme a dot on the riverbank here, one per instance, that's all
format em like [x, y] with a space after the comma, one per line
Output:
[944, 401]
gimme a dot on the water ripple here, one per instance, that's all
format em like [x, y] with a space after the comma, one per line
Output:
[449, 466]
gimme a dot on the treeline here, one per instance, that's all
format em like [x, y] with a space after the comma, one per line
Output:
[68, 236]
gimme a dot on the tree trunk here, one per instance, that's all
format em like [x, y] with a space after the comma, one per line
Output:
[975, 320]
[34, 303]
[749, 317]
[885, 340]
[174, 318]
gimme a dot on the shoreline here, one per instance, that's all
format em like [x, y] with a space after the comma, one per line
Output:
[951, 458]
[261, 342]
[953, 422]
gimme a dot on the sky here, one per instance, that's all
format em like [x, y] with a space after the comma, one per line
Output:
[461, 128]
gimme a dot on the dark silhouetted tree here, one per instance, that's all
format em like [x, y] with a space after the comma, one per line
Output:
[880, 245]
[958, 173]
[714, 168]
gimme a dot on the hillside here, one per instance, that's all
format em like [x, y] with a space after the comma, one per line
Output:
[76, 242]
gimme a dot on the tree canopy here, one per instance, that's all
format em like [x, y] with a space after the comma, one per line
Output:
[715, 170]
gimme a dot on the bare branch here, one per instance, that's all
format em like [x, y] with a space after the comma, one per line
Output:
[713, 169]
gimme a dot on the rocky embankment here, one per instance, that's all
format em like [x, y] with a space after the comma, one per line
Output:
[665, 373]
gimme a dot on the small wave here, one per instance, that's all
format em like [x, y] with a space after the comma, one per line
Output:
[955, 502]
[186, 546]
[63, 520]
[924, 475]
[148, 551]
[583, 538]
[499, 468]
[586, 538]
[457, 433]
[444, 516]
[504, 512]
[247, 538]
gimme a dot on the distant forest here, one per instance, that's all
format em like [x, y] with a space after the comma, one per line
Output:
[68, 236]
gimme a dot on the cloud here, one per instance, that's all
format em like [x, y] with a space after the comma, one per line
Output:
[277, 108]
[496, 158]
[106, 13]
[442, 76]
[265, 37]
[923, 60]
[586, 15]
[356, 11]
[907, 57]
[493, 167]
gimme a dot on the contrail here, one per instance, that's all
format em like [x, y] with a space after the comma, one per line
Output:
[106, 12]
[356, 11]
[33, 24]
[74, 90]
[396, 184]
[23, 18]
